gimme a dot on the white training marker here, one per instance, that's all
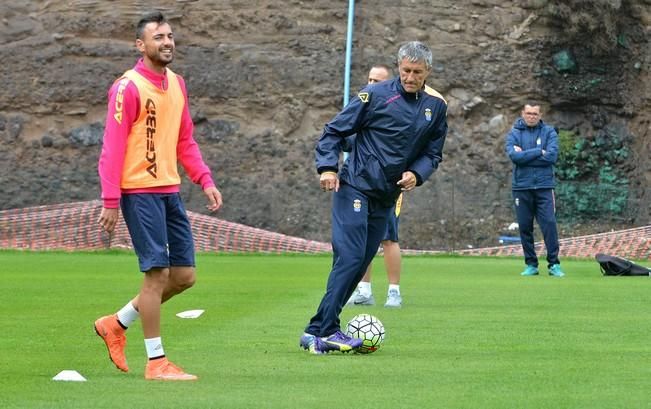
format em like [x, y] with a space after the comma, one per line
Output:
[190, 314]
[69, 375]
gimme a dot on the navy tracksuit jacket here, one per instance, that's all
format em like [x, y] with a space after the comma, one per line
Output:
[533, 186]
[396, 132]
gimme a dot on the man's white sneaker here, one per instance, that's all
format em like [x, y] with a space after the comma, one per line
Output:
[394, 300]
[361, 299]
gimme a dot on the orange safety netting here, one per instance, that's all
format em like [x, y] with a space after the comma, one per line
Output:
[630, 243]
[73, 226]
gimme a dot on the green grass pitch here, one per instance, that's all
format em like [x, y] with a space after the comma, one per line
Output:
[472, 333]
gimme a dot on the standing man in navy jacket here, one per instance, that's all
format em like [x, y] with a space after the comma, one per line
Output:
[532, 146]
[401, 126]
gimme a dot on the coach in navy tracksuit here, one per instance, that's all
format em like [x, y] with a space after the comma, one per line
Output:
[401, 127]
[533, 148]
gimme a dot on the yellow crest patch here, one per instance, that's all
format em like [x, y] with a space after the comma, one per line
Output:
[363, 96]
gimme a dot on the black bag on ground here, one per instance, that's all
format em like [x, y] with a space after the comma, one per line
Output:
[617, 266]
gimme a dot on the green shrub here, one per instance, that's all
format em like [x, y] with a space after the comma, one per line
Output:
[589, 183]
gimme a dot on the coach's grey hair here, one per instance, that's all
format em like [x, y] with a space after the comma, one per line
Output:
[415, 51]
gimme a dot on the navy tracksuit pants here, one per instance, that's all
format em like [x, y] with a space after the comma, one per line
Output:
[538, 204]
[358, 226]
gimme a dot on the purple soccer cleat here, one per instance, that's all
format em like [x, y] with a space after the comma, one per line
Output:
[313, 344]
[341, 342]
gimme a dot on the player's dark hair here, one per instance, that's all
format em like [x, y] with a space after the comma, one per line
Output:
[532, 103]
[384, 67]
[153, 17]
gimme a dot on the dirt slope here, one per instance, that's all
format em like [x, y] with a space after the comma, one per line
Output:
[265, 76]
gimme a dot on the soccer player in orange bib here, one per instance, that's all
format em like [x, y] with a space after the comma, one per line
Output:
[149, 129]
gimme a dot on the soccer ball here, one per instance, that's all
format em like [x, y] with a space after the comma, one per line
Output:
[369, 329]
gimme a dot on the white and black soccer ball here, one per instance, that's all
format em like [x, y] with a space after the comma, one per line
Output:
[369, 329]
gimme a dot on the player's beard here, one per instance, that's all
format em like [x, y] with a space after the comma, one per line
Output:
[160, 58]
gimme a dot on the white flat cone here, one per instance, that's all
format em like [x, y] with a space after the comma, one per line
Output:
[69, 375]
[190, 314]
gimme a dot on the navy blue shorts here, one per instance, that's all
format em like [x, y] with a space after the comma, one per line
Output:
[392, 224]
[160, 230]
[392, 228]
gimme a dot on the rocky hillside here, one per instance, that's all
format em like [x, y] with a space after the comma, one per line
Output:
[264, 76]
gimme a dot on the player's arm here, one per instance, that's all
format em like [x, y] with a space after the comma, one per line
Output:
[123, 109]
[516, 153]
[512, 146]
[549, 151]
[347, 145]
[189, 154]
[332, 140]
[432, 155]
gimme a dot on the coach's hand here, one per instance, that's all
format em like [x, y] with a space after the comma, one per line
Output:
[214, 198]
[329, 181]
[108, 219]
[408, 181]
